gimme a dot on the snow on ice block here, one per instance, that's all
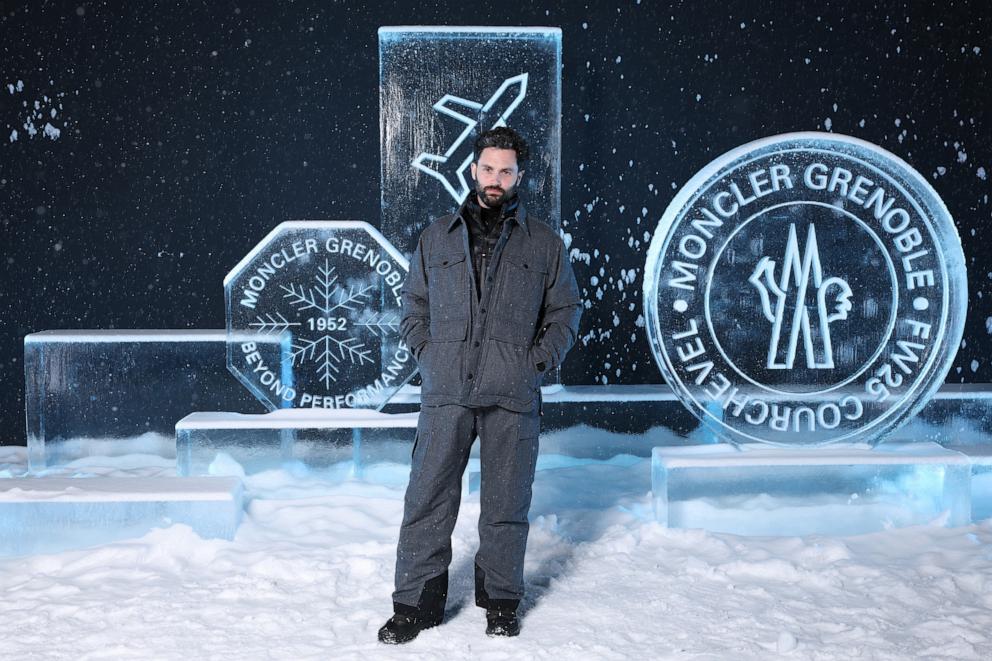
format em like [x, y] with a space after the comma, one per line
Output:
[836, 490]
[51, 514]
[90, 391]
[232, 443]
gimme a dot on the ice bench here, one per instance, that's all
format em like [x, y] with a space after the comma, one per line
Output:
[51, 514]
[837, 489]
[312, 437]
[232, 444]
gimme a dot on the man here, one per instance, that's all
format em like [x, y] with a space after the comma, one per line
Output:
[490, 304]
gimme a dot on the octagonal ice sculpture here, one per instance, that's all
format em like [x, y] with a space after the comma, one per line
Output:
[330, 291]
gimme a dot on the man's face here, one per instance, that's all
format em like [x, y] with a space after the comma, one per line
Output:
[496, 176]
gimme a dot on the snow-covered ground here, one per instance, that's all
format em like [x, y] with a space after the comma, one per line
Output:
[309, 576]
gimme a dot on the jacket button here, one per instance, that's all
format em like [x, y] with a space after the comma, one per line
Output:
[469, 376]
[476, 343]
[444, 263]
[526, 267]
[483, 310]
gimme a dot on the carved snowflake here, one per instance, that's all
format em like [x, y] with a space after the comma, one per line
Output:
[336, 311]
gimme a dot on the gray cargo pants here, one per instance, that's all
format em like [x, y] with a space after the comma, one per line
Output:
[508, 455]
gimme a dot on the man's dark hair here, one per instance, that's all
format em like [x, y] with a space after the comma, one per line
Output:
[503, 137]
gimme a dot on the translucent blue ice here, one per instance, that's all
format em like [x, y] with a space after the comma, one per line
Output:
[838, 490]
[233, 444]
[53, 514]
[88, 391]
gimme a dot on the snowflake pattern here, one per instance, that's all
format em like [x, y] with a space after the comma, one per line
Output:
[329, 302]
[271, 326]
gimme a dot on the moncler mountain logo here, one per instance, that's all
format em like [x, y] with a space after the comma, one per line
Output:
[801, 279]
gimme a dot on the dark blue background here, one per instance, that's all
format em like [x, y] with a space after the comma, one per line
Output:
[189, 131]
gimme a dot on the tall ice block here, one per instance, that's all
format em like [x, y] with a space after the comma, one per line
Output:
[49, 514]
[837, 490]
[88, 391]
[439, 88]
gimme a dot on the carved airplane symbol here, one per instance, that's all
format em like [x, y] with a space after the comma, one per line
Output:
[451, 166]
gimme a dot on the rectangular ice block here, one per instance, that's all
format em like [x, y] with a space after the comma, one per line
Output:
[439, 88]
[232, 443]
[837, 490]
[51, 514]
[959, 414]
[93, 391]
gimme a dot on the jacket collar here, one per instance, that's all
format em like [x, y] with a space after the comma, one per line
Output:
[515, 211]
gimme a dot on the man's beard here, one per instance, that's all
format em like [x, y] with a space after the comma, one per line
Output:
[494, 196]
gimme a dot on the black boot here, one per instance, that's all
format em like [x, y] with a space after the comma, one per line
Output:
[400, 628]
[502, 622]
[408, 621]
[501, 614]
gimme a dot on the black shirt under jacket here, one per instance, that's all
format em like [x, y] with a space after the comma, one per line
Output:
[484, 229]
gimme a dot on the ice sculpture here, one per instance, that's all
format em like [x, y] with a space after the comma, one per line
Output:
[805, 289]
[88, 391]
[332, 289]
[440, 87]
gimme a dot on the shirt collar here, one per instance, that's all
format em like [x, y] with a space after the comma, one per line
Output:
[516, 210]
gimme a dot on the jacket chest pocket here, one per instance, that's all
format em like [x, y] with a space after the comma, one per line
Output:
[447, 291]
[521, 295]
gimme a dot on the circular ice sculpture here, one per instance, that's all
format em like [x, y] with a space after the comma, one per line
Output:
[313, 317]
[805, 289]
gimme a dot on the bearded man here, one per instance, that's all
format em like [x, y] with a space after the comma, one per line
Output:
[490, 305]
